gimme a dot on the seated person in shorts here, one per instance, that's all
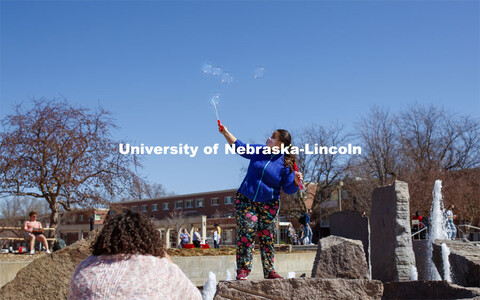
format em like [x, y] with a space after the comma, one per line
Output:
[33, 230]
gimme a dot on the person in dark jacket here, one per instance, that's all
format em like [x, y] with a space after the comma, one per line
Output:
[257, 201]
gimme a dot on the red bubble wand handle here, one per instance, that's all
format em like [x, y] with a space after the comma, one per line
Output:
[298, 176]
[220, 126]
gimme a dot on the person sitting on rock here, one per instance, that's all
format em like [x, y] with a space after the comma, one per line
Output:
[129, 261]
[33, 230]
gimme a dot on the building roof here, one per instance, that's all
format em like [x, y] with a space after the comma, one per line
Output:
[195, 195]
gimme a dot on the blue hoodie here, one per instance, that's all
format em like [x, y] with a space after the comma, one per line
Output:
[266, 175]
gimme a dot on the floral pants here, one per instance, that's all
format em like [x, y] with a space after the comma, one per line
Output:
[255, 218]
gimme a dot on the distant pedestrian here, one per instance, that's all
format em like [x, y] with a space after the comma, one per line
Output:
[217, 236]
[308, 227]
[292, 234]
[184, 238]
[197, 238]
[302, 236]
[451, 230]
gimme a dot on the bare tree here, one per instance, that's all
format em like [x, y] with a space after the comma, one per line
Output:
[433, 139]
[378, 137]
[142, 189]
[14, 210]
[62, 154]
[176, 220]
[377, 134]
[435, 144]
[321, 171]
[419, 145]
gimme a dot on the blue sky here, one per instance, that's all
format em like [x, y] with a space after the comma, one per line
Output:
[325, 61]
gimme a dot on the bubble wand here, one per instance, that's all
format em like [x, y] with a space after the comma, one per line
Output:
[220, 126]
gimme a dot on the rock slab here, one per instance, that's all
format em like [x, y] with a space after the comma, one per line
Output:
[391, 254]
[428, 290]
[300, 288]
[351, 225]
[339, 257]
[464, 261]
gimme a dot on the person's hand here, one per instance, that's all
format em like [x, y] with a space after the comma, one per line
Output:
[298, 178]
[222, 129]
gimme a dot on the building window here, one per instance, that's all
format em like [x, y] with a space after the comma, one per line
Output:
[154, 207]
[228, 215]
[165, 206]
[98, 217]
[80, 218]
[215, 201]
[189, 203]
[179, 204]
[111, 212]
[134, 208]
[228, 200]
[144, 208]
[200, 202]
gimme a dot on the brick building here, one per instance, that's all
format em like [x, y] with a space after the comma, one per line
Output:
[215, 204]
[201, 210]
[75, 225]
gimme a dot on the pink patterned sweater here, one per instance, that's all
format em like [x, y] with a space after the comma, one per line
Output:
[139, 277]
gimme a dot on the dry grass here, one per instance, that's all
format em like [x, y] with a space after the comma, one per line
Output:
[201, 252]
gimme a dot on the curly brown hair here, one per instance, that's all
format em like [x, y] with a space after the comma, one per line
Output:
[129, 233]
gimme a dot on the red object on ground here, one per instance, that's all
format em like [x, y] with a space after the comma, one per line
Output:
[191, 246]
[301, 183]
[220, 126]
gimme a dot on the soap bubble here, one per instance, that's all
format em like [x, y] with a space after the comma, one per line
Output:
[207, 69]
[226, 78]
[215, 99]
[216, 70]
[258, 72]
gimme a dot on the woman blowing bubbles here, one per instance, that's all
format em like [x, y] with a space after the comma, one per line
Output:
[257, 200]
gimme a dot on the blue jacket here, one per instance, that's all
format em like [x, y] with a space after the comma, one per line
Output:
[266, 175]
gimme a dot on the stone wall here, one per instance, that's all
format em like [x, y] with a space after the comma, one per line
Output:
[299, 289]
[464, 261]
[392, 254]
[420, 247]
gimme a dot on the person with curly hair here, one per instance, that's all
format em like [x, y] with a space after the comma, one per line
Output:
[129, 261]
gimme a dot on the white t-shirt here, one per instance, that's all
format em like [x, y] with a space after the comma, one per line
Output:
[449, 214]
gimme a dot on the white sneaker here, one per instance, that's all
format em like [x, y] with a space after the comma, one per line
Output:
[48, 252]
[32, 252]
